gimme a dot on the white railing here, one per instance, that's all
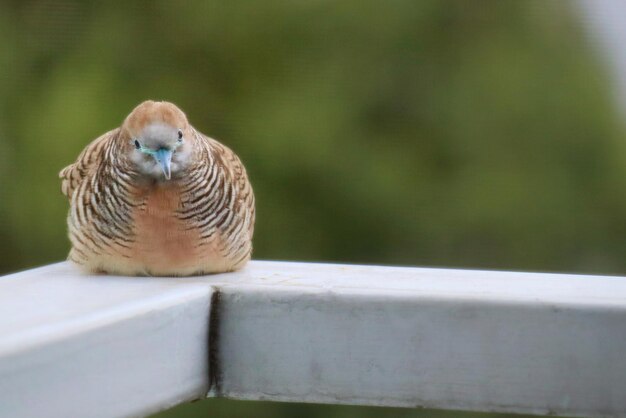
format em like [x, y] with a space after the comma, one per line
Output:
[74, 345]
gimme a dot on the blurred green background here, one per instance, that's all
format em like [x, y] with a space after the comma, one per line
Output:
[476, 134]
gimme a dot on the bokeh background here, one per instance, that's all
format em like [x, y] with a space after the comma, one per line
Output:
[482, 134]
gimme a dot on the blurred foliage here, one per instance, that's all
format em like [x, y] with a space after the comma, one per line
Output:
[436, 132]
[223, 408]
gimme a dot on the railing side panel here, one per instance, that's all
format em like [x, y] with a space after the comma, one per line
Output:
[414, 351]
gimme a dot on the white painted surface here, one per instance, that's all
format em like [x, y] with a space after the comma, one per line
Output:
[72, 345]
[485, 341]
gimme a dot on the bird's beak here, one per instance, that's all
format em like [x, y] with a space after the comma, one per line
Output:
[163, 156]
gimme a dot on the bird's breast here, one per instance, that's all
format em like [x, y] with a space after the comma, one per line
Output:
[164, 242]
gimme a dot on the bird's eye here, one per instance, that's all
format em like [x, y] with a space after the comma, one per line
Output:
[137, 144]
[180, 135]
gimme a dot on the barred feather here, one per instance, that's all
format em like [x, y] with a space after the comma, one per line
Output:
[122, 221]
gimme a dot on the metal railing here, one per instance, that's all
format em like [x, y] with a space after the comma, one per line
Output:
[453, 339]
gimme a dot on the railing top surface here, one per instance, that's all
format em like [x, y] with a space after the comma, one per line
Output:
[33, 302]
[63, 283]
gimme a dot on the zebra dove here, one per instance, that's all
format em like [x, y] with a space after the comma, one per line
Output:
[156, 197]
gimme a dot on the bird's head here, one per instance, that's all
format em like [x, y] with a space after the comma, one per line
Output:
[158, 139]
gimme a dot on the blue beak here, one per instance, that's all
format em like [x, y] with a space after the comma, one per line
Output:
[163, 156]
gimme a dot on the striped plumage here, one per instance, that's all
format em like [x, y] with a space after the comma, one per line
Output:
[126, 217]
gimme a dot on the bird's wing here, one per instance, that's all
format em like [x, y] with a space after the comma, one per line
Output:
[92, 155]
[229, 162]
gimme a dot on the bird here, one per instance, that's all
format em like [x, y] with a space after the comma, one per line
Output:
[156, 197]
